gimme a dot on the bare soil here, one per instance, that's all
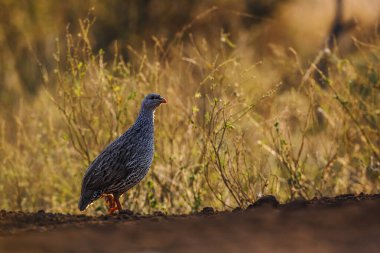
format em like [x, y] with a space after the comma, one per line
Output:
[346, 223]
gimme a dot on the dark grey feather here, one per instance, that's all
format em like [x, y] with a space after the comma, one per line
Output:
[125, 161]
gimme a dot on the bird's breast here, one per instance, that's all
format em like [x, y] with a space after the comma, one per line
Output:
[139, 163]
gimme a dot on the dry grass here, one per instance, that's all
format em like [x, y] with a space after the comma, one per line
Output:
[235, 128]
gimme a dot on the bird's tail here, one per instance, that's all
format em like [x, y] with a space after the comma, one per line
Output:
[85, 199]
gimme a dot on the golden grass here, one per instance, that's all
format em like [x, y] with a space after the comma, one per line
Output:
[235, 127]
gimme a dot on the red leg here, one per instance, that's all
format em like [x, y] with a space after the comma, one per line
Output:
[121, 211]
[111, 204]
[118, 203]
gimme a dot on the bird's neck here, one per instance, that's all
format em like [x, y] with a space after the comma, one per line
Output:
[145, 119]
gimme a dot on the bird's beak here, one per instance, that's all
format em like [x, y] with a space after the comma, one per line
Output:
[163, 101]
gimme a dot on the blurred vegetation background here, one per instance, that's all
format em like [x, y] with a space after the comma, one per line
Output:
[265, 97]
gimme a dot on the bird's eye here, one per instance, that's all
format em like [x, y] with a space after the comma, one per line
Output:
[153, 97]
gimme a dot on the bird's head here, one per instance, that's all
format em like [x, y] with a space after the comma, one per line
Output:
[152, 101]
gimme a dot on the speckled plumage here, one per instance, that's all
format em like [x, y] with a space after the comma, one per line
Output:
[125, 161]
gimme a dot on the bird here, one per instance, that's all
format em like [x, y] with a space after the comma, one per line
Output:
[124, 162]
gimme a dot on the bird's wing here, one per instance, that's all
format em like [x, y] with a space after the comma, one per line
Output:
[108, 168]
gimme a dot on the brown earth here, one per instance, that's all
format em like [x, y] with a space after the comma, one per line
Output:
[346, 223]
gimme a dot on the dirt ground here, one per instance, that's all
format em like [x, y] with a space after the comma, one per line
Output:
[346, 223]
